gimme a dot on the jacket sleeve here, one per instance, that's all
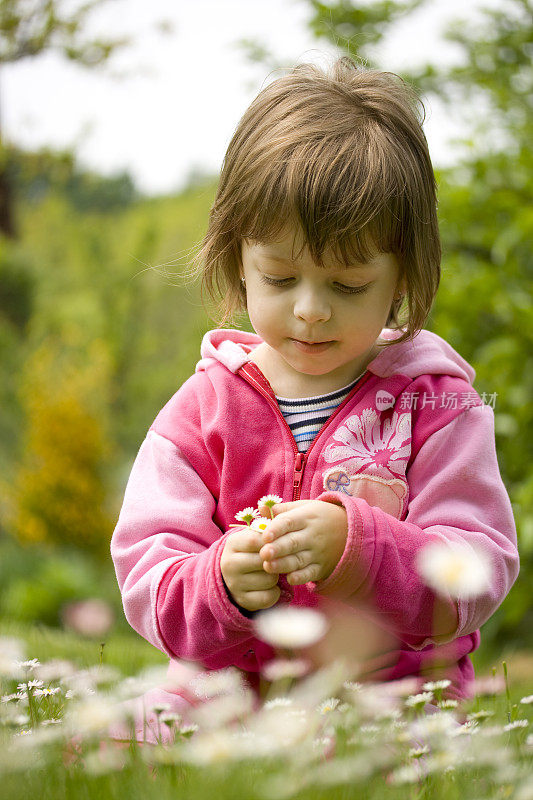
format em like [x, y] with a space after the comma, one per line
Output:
[455, 493]
[166, 549]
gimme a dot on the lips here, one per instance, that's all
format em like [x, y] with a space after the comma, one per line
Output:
[312, 347]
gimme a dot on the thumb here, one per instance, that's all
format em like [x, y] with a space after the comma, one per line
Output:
[279, 508]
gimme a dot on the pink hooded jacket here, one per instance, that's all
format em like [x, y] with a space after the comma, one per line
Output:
[410, 454]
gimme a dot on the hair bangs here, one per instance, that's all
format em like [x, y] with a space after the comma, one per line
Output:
[342, 205]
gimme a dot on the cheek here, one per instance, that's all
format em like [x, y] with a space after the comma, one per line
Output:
[265, 313]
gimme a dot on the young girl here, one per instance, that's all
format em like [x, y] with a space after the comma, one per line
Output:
[324, 228]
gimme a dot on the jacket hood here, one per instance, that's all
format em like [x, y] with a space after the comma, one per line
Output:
[426, 354]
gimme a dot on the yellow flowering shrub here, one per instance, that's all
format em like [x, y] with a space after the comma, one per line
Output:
[59, 492]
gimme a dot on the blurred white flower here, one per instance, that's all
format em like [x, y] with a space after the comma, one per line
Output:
[480, 715]
[446, 704]
[352, 686]
[54, 669]
[516, 725]
[290, 626]
[89, 617]
[101, 762]
[218, 746]
[432, 686]
[375, 700]
[29, 665]
[147, 679]
[276, 702]
[489, 685]
[467, 729]
[416, 700]
[399, 688]
[525, 790]
[93, 715]
[456, 569]
[84, 681]
[223, 709]
[279, 726]
[527, 700]
[407, 774]
[11, 652]
[326, 706]
[418, 752]
[217, 682]
[280, 668]
[433, 728]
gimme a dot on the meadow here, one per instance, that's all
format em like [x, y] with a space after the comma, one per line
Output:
[324, 736]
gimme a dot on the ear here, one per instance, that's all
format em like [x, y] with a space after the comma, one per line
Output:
[401, 287]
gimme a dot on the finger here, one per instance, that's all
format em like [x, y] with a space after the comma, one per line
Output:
[247, 562]
[300, 576]
[256, 581]
[288, 522]
[246, 540]
[255, 601]
[279, 508]
[286, 545]
[292, 563]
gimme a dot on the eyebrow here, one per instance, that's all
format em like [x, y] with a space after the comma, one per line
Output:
[282, 260]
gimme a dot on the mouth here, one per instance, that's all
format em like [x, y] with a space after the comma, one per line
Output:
[312, 347]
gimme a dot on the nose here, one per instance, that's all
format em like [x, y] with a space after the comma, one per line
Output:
[311, 305]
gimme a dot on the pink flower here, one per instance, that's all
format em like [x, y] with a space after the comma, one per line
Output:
[365, 443]
[88, 617]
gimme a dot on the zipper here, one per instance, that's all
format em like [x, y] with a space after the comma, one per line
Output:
[253, 375]
[299, 465]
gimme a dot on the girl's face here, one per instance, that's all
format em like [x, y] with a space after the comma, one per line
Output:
[317, 321]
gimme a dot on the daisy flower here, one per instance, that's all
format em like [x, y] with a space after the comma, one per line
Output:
[528, 699]
[432, 686]
[456, 568]
[269, 500]
[446, 704]
[420, 699]
[328, 705]
[480, 715]
[260, 523]
[280, 668]
[247, 515]
[277, 702]
[290, 626]
[518, 723]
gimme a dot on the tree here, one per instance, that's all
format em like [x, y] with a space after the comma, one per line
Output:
[29, 28]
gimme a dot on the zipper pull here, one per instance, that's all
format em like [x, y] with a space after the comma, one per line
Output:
[297, 478]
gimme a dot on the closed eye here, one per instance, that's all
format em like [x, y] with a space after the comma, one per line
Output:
[340, 287]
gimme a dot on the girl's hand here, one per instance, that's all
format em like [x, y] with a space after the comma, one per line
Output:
[305, 540]
[243, 573]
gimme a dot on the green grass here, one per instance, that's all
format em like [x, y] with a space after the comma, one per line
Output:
[136, 780]
[129, 653]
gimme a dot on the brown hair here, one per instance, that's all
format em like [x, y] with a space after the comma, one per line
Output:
[342, 155]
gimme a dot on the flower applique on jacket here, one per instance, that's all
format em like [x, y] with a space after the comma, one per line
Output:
[371, 459]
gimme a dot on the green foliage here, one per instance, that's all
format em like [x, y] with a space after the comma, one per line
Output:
[55, 580]
[353, 26]
[17, 288]
[27, 29]
[36, 175]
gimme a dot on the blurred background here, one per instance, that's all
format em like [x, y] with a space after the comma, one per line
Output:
[114, 119]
